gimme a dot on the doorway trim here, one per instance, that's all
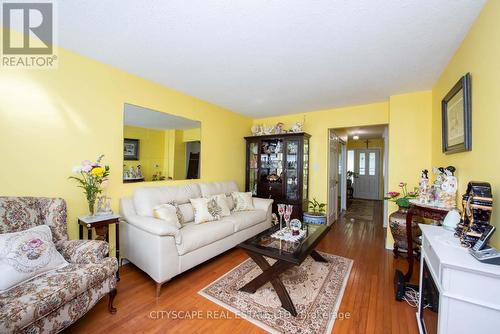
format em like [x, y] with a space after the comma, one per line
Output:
[342, 149]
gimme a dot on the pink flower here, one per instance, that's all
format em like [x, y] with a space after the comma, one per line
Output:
[86, 166]
[34, 243]
[392, 194]
[402, 184]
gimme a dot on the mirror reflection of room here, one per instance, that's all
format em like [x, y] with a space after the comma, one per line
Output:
[158, 146]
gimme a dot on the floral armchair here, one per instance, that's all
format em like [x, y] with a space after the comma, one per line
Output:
[54, 300]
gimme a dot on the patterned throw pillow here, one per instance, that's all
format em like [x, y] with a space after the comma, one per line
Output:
[205, 210]
[230, 201]
[168, 213]
[243, 201]
[26, 254]
[224, 206]
[178, 211]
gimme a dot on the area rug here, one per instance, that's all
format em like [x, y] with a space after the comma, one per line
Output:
[360, 210]
[315, 288]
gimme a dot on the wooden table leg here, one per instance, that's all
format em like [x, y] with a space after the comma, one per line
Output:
[271, 274]
[409, 239]
[117, 250]
[81, 231]
[317, 256]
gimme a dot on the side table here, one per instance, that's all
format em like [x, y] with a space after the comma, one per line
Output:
[424, 211]
[101, 225]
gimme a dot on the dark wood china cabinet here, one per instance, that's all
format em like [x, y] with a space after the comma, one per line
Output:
[277, 167]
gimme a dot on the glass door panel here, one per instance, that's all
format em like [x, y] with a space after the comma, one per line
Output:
[292, 164]
[253, 168]
[271, 160]
[305, 166]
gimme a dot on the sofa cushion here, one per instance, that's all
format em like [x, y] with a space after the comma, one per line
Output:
[26, 254]
[187, 212]
[243, 201]
[168, 213]
[146, 198]
[43, 294]
[246, 219]
[195, 236]
[215, 188]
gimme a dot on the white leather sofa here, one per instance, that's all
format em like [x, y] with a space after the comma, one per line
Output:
[164, 251]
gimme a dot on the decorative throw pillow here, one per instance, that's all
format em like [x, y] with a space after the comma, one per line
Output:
[230, 201]
[205, 210]
[243, 201]
[168, 213]
[222, 203]
[178, 211]
[26, 254]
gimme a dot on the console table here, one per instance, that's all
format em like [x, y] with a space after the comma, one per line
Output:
[101, 225]
[424, 211]
[458, 294]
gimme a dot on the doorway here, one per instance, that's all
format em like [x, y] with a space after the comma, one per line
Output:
[357, 166]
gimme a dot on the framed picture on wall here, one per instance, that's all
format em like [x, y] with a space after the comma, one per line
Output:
[456, 117]
[130, 149]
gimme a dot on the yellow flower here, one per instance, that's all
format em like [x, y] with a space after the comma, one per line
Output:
[97, 171]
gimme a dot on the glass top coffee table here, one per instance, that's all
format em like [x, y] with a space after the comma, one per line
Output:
[286, 253]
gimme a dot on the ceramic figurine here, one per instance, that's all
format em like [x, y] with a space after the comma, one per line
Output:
[278, 128]
[139, 172]
[297, 127]
[449, 188]
[423, 187]
[256, 129]
[268, 130]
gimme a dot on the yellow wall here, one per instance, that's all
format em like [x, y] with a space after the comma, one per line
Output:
[410, 123]
[51, 120]
[151, 150]
[317, 125]
[479, 54]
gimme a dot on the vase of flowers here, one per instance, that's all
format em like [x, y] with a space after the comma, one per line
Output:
[397, 219]
[92, 178]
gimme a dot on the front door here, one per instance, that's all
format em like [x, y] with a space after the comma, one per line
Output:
[367, 166]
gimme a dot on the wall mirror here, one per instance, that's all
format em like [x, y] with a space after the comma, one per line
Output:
[159, 146]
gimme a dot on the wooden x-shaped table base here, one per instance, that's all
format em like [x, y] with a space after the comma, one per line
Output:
[271, 273]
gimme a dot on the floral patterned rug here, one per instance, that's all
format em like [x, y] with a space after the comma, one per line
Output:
[315, 288]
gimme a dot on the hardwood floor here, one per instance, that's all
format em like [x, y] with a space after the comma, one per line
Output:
[368, 298]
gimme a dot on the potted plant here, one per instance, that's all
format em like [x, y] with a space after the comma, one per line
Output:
[397, 219]
[316, 215]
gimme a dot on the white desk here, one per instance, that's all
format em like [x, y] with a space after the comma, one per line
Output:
[469, 291]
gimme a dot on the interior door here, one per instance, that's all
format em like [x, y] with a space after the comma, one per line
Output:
[367, 167]
[333, 178]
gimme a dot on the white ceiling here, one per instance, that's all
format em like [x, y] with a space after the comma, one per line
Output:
[264, 57]
[147, 118]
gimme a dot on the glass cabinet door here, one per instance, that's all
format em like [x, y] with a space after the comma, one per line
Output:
[305, 166]
[292, 175]
[253, 168]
